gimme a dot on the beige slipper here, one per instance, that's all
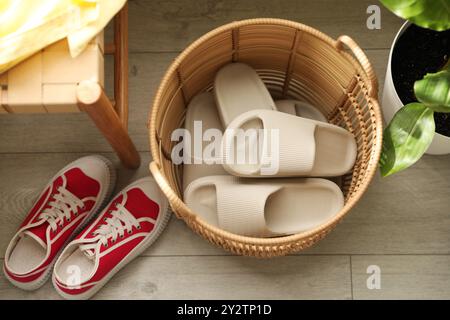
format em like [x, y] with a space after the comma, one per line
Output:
[300, 109]
[304, 110]
[288, 146]
[238, 89]
[201, 108]
[264, 207]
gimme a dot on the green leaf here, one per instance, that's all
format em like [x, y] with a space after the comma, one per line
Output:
[434, 91]
[431, 14]
[406, 138]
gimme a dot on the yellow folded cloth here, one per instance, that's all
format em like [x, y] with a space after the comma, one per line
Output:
[27, 26]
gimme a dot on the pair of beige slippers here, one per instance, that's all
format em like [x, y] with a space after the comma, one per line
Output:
[286, 202]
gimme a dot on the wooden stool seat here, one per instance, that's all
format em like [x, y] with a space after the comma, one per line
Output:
[47, 81]
[51, 81]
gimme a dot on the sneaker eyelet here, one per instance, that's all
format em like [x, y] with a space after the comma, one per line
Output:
[122, 236]
[139, 227]
[68, 220]
[104, 219]
[130, 232]
[106, 245]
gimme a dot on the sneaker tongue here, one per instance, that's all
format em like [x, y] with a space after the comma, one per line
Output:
[89, 253]
[89, 250]
[37, 235]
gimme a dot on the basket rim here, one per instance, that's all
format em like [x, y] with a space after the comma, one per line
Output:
[177, 203]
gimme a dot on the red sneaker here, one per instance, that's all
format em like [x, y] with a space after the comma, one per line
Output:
[125, 228]
[74, 196]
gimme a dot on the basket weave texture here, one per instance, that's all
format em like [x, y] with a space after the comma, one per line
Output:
[294, 61]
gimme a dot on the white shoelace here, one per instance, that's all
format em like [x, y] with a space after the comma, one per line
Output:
[63, 204]
[121, 220]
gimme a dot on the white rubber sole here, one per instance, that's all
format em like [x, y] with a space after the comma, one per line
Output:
[147, 242]
[39, 282]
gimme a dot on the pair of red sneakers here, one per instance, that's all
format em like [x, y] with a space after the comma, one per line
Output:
[67, 231]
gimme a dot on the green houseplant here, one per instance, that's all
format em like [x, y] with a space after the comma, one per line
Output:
[412, 128]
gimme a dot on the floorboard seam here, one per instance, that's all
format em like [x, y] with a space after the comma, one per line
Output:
[299, 255]
[351, 277]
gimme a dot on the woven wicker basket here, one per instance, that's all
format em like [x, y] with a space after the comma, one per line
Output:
[294, 61]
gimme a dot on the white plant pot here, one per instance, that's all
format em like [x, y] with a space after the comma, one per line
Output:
[391, 104]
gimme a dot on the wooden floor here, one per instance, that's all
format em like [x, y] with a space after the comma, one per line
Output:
[401, 225]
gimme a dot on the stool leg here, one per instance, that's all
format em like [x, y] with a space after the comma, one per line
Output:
[121, 64]
[93, 100]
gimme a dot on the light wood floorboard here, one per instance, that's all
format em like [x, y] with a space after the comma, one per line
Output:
[401, 224]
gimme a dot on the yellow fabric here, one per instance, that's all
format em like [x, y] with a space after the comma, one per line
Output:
[27, 26]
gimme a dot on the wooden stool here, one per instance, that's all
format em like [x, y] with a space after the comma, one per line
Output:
[52, 82]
